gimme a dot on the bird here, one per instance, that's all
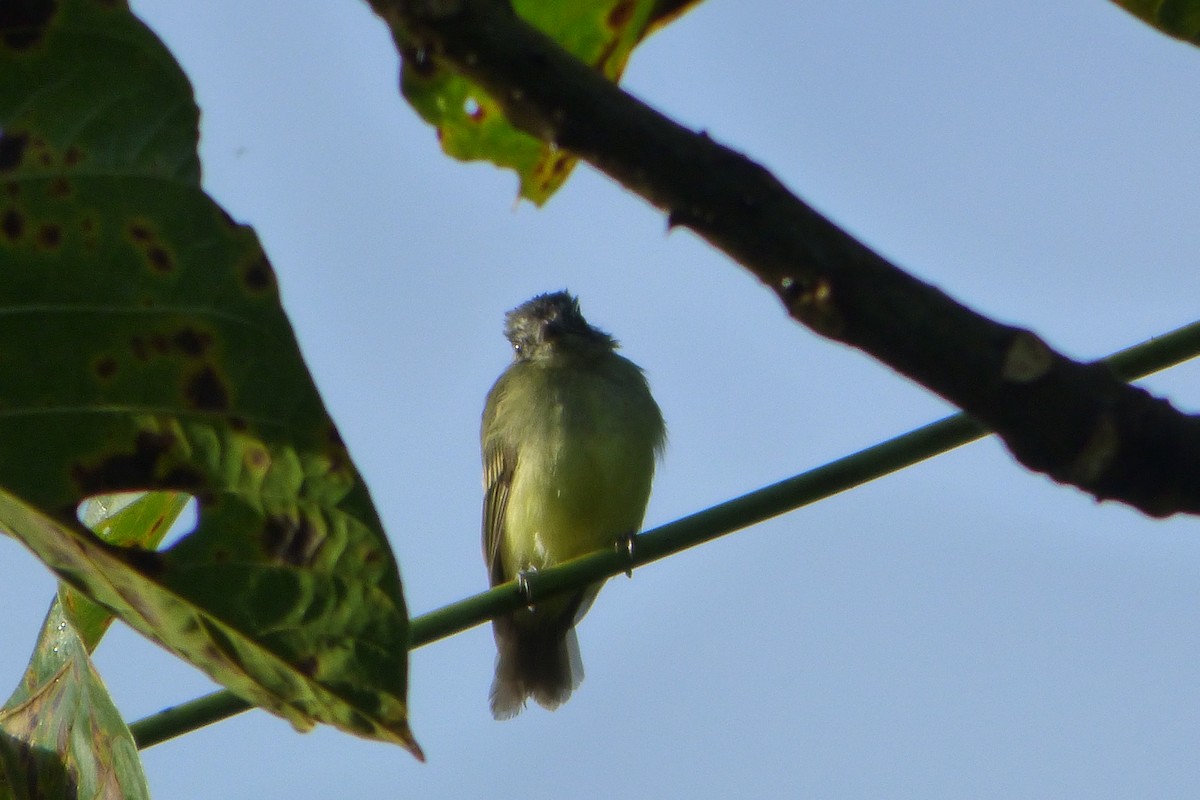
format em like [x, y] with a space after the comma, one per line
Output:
[570, 437]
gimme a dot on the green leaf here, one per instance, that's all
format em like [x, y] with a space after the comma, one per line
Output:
[143, 347]
[1178, 18]
[471, 125]
[60, 734]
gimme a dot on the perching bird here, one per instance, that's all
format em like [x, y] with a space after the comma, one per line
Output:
[570, 437]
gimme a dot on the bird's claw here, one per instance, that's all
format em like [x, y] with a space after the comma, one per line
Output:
[627, 549]
[523, 585]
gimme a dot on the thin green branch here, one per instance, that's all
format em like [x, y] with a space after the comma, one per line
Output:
[190, 716]
[771, 501]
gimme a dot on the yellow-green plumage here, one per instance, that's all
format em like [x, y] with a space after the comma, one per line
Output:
[570, 436]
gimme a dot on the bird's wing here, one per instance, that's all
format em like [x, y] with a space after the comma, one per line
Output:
[499, 464]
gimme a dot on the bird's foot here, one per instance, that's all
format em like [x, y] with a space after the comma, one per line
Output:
[523, 578]
[627, 549]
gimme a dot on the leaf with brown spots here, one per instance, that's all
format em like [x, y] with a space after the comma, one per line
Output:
[164, 361]
[60, 734]
[471, 125]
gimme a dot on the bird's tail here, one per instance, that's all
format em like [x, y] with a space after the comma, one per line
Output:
[541, 662]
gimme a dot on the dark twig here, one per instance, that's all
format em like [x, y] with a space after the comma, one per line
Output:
[1076, 422]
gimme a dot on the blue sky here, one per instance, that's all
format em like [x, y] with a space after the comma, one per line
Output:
[964, 628]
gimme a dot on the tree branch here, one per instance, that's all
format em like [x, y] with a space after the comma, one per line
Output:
[1076, 422]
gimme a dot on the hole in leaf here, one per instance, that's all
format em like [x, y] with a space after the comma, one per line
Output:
[150, 520]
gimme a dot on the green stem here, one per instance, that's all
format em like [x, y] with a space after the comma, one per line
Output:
[837, 476]
[190, 716]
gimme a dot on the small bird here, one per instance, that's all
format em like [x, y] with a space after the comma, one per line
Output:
[570, 437]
